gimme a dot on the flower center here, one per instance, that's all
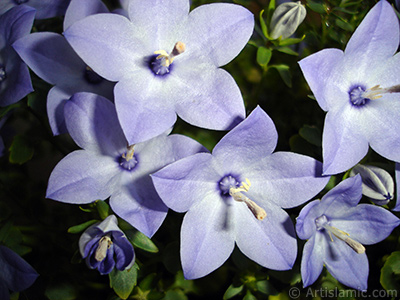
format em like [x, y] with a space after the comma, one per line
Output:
[91, 76]
[3, 75]
[322, 223]
[101, 251]
[359, 95]
[128, 160]
[161, 64]
[229, 185]
[20, 1]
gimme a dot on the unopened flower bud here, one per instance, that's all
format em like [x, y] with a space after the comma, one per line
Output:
[286, 18]
[377, 184]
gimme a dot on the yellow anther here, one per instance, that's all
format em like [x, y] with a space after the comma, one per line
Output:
[167, 59]
[129, 154]
[101, 251]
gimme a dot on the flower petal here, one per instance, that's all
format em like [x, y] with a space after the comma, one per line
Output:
[270, 242]
[93, 124]
[217, 32]
[187, 181]
[82, 177]
[287, 179]
[376, 38]
[312, 259]
[207, 237]
[78, 9]
[397, 174]
[249, 142]
[305, 224]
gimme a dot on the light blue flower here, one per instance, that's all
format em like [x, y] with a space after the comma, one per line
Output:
[336, 228]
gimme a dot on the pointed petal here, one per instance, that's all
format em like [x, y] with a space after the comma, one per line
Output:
[218, 32]
[187, 181]
[138, 203]
[56, 99]
[344, 144]
[16, 23]
[16, 273]
[93, 124]
[270, 242]
[312, 259]
[138, 106]
[82, 177]
[376, 38]
[50, 56]
[207, 237]
[317, 69]
[108, 43]
[287, 179]
[367, 224]
[250, 141]
[78, 9]
[305, 224]
[198, 92]
[347, 266]
[170, 15]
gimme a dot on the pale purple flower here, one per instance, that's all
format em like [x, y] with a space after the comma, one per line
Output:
[359, 90]
[16, 274]
[377, 184]
[166, 61]
[105, 247]
[108, 167]
[236, 195]
[15, 81]
[45, 8]
[50, 56]
[336, 228]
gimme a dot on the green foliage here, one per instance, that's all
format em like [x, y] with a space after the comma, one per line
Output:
[21, 150]
[62, 291]
[123, 282]
[81, 227]
[390, 273]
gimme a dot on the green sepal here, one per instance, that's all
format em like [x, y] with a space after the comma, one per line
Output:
[81, 227]
[123, 282]
[263, 25]
[290, 41]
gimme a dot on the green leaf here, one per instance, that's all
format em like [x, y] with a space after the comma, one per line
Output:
[103, 209]
[311, 134]
[287, 50]
[344, 25]
[61, 292]
[271, 8]
[123, 282]
[14, 296]
[284, 71]
[249, 296]
[21, 150]
[390, 273]
[263, 56]
[263, 25]
[317, 7]
[175, 295]
[232, 291]
[81, 227]
[141, 241]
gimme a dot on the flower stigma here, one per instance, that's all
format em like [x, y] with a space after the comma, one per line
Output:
[101, 251]
[360, 96]
[236, 193]
[160, 65]
[322, 223]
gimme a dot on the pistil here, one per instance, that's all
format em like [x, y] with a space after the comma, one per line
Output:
[322, 223]
[236, 193]
[101, 251]
[167, 59]
[359, 95]
[129, 154]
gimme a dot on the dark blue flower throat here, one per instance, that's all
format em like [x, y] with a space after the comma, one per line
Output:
[360, 96]
[226, 183]
[20, 1]
[357, 95]
[128, 161]
[161, 63]
[91, 76]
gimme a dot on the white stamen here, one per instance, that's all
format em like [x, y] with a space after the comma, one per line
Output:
[129, 154]
[236, 194]
[101, 251]
[376, 91]
[166, 58]
[344, 236]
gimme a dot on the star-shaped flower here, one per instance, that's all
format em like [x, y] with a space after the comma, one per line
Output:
[336, 229]
[45, 8]
[16, 274]
[236, 195]
[108, 167]
[359, 90]
[166, 61]
[105, 246]
[50, 56]
[15, 81]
